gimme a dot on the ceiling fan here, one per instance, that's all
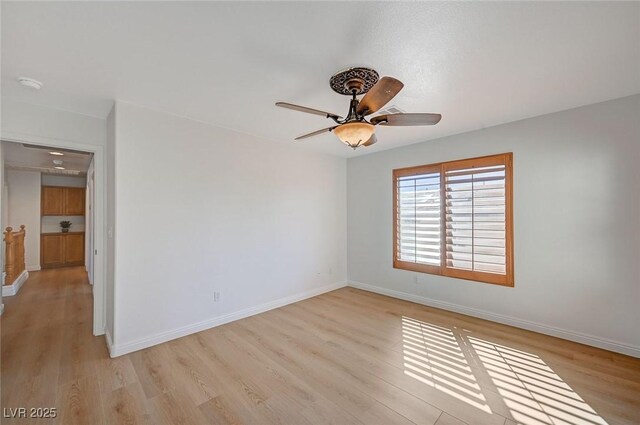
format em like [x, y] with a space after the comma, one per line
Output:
[356, 130]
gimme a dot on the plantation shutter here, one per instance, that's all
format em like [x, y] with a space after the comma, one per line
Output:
[418, 219]
[476, 217]
[454, 219]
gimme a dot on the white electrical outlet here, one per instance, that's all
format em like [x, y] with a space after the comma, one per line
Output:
[216, 296]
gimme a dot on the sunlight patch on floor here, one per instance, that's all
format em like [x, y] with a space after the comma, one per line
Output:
[433, 356]
[531, 390]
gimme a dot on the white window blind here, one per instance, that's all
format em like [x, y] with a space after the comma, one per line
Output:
[418, 219]
[476, 219]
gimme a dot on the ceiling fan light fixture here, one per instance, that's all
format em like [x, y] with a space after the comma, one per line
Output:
[354, 134]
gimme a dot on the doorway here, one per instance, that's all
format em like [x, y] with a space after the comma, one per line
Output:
[69, 205]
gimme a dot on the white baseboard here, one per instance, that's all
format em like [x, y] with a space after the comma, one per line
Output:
[129, 347]
[33, 268]
[591, 340]
[10, 290]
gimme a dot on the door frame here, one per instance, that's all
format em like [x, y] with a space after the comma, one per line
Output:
[99, 236]
[90, 221]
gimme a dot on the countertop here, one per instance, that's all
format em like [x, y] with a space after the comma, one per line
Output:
[63, 233]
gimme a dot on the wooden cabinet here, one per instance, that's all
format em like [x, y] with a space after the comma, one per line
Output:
[51, 251]
[62, 200]
[52, 200]
[61, 249]
[73, 249]
[74, 201]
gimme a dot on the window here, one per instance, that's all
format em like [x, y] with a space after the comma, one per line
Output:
[455, 219]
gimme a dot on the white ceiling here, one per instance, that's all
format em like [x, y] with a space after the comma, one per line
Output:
[20, 157]
[479, 64]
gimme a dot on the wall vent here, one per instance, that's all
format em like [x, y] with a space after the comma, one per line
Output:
[393, 109]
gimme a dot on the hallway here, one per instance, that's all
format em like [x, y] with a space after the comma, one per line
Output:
[48, 349]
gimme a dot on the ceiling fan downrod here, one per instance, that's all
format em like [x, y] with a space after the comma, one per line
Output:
[353, 110]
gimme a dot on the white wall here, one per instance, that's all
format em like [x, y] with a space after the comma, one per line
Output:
[24, 119]
[576, 223]
[24, 208]
[51, 223]
[62, 180]
[202, 209]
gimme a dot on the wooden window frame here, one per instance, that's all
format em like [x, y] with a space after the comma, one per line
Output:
[505, 159]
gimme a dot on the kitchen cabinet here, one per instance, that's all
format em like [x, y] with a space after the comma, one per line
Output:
[52, 200]
[73, 249]
[74, 201]
[62, 200]
[61, 249]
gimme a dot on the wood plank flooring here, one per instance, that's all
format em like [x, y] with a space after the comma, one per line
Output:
[346, 357]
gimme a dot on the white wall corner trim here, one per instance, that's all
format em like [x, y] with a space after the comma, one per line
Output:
[1, 309]
[506, 320]
[107, 336]
[33, 268]
[129, 347]
[10, 290]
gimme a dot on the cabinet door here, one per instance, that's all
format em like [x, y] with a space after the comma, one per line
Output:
[74, 250]
[73, 201]
[52, 200]
[51, 251]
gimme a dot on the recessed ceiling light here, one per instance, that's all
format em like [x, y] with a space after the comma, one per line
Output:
[56, 153]
[59, 168]
[30, 82]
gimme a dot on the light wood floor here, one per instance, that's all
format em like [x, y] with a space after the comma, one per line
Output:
[345, 357]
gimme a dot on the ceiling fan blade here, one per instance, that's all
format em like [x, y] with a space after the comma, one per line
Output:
[373, 139]
[379, 95]
[406, 119]
[315, 133]
[307, 110]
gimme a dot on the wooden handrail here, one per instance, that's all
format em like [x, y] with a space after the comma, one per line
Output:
[14, 253]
